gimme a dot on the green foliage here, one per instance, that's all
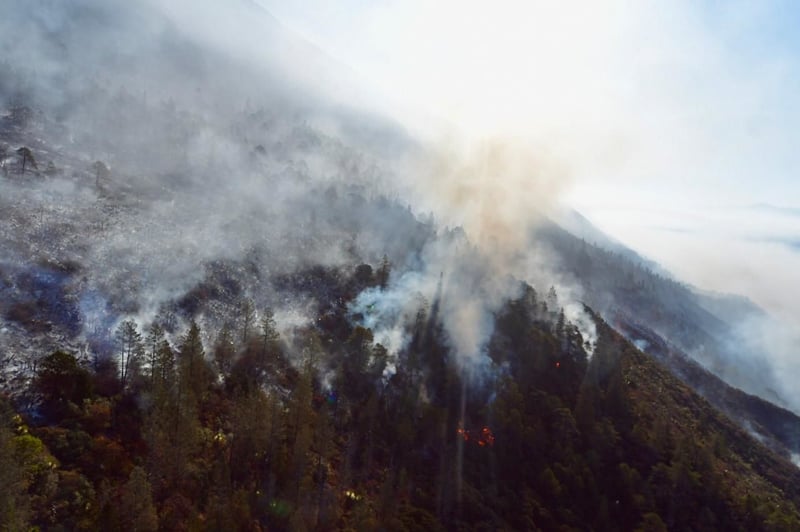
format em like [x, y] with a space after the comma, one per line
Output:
[247, 316]
[196, 375]
[62, 383]
[313, 433]
[224, 351]
[14, 479]
[131, 349]
[137, 512]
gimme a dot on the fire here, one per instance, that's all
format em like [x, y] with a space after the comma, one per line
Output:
[352, 495]
[485, 438]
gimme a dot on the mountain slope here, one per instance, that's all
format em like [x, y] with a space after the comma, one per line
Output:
[544, 438]
[215, 315]
[693, 333]
[614, 284]
[740, 466]
[775, 426]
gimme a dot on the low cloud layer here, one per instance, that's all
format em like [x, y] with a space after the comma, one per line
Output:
[745, 250]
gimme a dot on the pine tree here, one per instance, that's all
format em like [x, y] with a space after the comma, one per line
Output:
[155, 336]
[269, 337]
[136, 503]
[301, 425]
[164, 368]
[384, 270]
[195, 374]
[171, 427]
[26, 159]
[130, 345]
[248, 316]
[252, 419]
[224, 351]
[101, 172]
[3, 157]
[323, 448]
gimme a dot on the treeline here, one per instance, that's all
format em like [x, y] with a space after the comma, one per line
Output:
[325, 430]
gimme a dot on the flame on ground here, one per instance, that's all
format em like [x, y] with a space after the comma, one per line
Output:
[484, 437]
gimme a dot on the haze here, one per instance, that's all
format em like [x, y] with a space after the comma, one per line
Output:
[677, 121]
[664, 123]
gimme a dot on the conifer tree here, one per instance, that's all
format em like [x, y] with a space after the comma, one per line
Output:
[155, 336]
[248, 316]
[130, 345]
[136, 504]
[195, 374]
[384, 270]
[224, 351]
[3, 157]
[301, 425]
[269, 336]
[101, 172]
[26, 159]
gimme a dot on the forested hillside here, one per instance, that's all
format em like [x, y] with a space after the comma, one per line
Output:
[231, 299]
[703, 339]
[229, 435]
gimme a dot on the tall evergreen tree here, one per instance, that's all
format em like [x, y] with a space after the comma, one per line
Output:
[248, 316]
[136, 509]
[155, 336]
[195, 374]
[224, 351]
[130, 345]
[26, 159]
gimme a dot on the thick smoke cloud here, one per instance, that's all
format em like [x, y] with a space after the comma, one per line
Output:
[496, 191]
[685, 106]
[211, 138]
[222, 148]
[232, 154]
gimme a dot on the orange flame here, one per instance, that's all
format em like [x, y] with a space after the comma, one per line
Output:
[485, 438]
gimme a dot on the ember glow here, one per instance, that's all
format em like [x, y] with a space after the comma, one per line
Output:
[483, 438]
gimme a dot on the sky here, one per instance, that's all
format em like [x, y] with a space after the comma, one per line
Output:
[677, 121]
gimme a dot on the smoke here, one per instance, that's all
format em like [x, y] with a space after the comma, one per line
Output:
[233, 161]
[650, 103]
[576, 314]
[495, 191]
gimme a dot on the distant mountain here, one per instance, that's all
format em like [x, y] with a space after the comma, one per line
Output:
[776, 427]
[730, 308]
[692, 332]
[579, 226]
[615, 283]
